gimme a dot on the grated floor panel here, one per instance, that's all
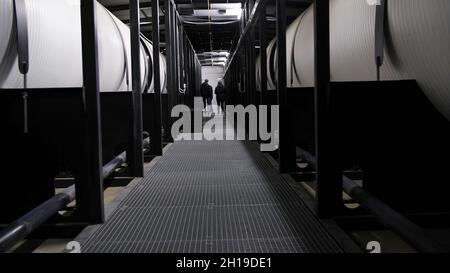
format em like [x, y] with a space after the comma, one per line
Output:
[211, 196]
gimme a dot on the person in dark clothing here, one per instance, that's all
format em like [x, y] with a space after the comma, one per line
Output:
[206, 93]
[220, 96]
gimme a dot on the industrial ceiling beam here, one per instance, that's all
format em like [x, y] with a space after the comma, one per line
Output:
[254, 16]
[113, 8]
[147, 20]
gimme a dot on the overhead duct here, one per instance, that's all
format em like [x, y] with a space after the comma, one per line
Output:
[54, 29]
[417, 46]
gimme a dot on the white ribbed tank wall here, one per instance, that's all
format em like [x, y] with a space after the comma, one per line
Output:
[54, 29]
[417, 46]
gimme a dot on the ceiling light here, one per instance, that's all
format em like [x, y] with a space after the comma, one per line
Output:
[239, 14]
[226, 6]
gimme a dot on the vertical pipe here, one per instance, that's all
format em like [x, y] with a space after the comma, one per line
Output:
[168, 43]
[91, 191]
[247, 69]
[176, 51]
[263, 50]
[172, 53]
[329, 179]
[180, 56]
[248, 91]
[173, 96]
[191, 71]
[245, 72]
[251, 68]
[169, 66]
[175, 54]
[286, 145]
[156, 139]
[136, 158]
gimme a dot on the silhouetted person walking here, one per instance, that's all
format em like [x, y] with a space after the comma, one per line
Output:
[206, 93]
[220, 96]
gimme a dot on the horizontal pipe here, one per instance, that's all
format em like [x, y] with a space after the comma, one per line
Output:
[22, 227]
[112, 165]
[393, 220]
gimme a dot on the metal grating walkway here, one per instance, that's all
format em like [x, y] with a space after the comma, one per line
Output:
[211, 196]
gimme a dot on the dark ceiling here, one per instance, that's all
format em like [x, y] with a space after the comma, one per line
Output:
[212, 26]
[217, 33]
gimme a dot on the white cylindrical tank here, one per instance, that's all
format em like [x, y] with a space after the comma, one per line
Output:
[55, 58]
[162, 66]
[417, 46]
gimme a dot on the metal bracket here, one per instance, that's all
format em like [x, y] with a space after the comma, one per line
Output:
[380, 22]
[20, 20]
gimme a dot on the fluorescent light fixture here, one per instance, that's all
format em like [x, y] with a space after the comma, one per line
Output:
[214, 60]
[239, 15]
[215, 53]
[226, 6]
[235, 12]
[204, 12]
[215, 14]
[219, 59]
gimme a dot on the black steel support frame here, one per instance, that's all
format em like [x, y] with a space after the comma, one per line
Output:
[381, 144]
[156, 147]
[89, 180]
[136, 159]
[94, 184]
[240, 82]
[263, 54]
[248, 23]
[170, 68]
[183, 67]
[329, 177]
[286, 148]
[81, 116]
[31, 221]
[325, 113]
[408, 230]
